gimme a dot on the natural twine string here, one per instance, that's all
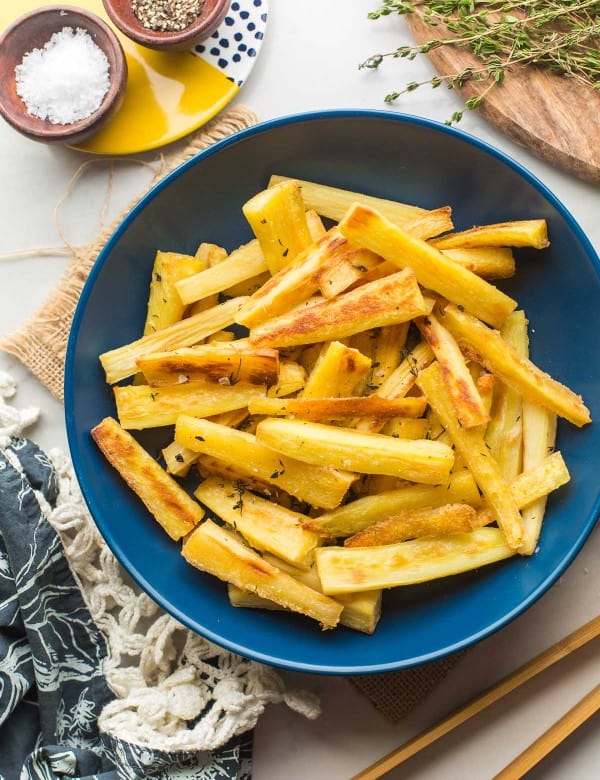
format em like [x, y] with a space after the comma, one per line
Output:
[41, 342]
[110, 164]
[67, 249]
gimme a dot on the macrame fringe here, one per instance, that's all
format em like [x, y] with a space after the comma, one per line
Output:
[164, 675]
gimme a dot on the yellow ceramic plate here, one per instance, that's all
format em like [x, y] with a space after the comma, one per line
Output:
[169, 94]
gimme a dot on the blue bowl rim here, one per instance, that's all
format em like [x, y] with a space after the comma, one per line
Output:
[235, 138]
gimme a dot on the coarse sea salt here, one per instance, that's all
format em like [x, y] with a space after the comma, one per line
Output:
[66, 80]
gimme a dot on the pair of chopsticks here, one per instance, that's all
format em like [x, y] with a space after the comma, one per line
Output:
[532, 755]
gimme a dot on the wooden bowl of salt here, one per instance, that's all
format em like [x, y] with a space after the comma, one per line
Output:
[62, 74]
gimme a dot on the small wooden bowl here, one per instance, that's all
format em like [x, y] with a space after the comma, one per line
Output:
[34, 30]
[212, 14]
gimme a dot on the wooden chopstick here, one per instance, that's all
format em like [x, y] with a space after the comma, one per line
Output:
[582, 711]
[544, 660]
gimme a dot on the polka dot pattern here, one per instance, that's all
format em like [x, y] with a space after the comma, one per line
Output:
[233, 48]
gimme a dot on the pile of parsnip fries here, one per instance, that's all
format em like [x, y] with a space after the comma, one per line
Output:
[355, 396]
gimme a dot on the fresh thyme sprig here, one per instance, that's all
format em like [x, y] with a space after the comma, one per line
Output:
[560, 36]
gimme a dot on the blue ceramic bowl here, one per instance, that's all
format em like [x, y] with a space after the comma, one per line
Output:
[383, 154]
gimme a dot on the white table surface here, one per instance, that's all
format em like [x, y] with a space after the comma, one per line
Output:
[310, 61]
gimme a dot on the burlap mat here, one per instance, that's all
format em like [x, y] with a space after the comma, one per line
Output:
[41, 343]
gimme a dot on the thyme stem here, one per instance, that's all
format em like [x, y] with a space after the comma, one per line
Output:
[561, 37]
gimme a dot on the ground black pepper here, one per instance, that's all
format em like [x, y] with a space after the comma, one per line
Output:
[167, 15]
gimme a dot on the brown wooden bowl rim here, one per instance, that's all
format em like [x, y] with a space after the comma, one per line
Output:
[192, 34]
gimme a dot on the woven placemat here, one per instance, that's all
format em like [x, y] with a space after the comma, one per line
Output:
[395, 694]
[40, 344]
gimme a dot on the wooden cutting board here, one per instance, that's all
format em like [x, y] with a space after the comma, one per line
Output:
[554, 117]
